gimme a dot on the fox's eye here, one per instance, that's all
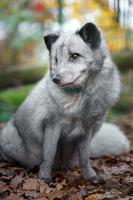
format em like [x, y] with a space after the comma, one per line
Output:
[74, 56]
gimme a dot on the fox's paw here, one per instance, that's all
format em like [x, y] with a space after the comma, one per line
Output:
[45, 179]
[101, 179]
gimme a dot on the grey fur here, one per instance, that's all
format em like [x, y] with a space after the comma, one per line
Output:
[57, 120]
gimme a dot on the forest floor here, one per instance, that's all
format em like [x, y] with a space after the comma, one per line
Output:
[18, 184]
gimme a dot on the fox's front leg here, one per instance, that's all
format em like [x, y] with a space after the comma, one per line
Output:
[51, 137]
[84, 148]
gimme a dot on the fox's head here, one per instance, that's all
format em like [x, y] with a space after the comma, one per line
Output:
[74, 57]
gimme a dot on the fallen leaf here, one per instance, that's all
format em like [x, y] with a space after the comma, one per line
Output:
[31, 184]
[76, 196]
[48, 190]
[2, 184]
[42, 198]
[59, 186]
[30, 195]
[55, 194]
[43, 187]
[16, 181]
[14, 197]
[94, 197]
[116, 170]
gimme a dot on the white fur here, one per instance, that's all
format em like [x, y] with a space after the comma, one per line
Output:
[110, 140]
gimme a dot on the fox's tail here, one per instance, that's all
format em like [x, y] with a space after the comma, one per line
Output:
[110, 140]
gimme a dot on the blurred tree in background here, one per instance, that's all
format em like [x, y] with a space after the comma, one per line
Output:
[23, 23]
[108, 15]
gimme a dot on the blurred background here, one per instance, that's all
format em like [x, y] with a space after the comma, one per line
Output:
[23, 55]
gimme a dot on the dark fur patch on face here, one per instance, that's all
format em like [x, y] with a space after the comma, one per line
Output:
[50, 39]
[91, 35]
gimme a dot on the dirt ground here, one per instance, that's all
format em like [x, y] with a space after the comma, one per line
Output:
[19, 184]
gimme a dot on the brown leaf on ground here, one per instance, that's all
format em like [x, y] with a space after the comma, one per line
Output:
[31, 184]
[43, 187]
[116, 170]
[42, 198]
[16, 182]
[94, 197]
[55, 195]
[13, 196]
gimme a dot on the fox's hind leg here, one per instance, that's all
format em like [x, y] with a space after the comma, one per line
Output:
[11, 145]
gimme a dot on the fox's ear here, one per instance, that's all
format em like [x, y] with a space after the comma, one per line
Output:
[91, 35]
[50, 39]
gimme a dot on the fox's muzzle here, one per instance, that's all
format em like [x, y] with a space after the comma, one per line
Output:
[56, 79]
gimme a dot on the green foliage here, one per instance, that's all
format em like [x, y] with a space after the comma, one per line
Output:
[15, 97]
[11, 99]
[114, 115]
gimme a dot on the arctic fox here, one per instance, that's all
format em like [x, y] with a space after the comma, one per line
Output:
[65, 111]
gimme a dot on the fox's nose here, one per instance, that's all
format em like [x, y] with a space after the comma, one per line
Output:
[56, 79]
